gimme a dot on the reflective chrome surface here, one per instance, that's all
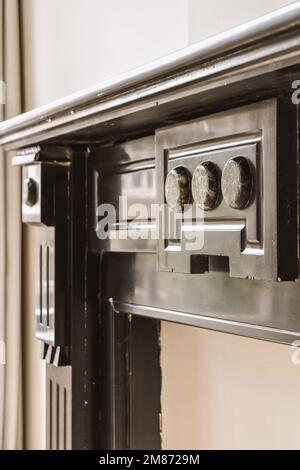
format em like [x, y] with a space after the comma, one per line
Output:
[178, 188]
[265, 45]
[237, 182]
[248, 236]
[260, 309]
[45, 286]
[206, 185]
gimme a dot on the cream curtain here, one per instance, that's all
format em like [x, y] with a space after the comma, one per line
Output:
[10, 238]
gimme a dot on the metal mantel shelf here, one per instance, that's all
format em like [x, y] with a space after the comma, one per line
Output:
[210, 323]
[266, 44]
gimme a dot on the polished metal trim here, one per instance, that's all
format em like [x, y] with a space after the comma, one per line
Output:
[199, 62]
[131, 167]
[26, 156]
[210, 323]
[213, 146]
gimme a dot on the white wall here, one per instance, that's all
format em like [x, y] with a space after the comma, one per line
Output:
[218, 390]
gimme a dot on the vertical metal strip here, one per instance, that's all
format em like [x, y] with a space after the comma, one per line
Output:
[113, 378]
[57, 416]
[44, 285]
[50, 416]
[61, 416]
[48, 286]
[54, 420]
[41, 284]
[65, 418]
[69, 413]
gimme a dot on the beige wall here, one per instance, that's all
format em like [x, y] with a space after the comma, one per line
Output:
[218, 390]
[214, 16]
[227, 392]
[72, 44]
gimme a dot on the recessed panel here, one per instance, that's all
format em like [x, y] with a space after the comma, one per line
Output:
[238, 195]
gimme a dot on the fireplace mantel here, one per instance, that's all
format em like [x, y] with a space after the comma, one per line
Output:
[214, 125]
